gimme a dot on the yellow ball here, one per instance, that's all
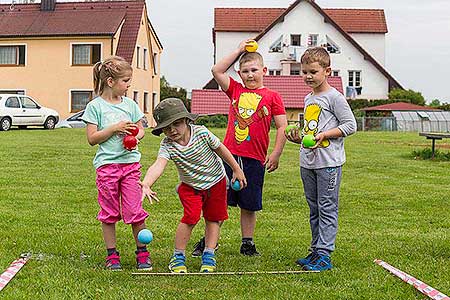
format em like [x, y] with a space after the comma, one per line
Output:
[251, 46]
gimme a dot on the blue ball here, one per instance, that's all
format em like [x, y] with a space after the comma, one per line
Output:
[236, 185]
[145, 236]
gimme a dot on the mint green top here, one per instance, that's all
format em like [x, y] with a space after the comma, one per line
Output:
[104, 114]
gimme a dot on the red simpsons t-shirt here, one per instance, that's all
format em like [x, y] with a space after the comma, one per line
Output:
[249, 120]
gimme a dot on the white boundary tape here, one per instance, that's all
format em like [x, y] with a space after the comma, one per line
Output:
[417, 284]
[223, 273]
[12, 270]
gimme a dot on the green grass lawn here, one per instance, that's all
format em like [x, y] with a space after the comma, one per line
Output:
[392, 207]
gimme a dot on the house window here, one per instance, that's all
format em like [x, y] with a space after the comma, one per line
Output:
[155, 100]
[296, 39]
[12, 55]
[312, 40]
[79, 100]
[146, 104]
[136, 96]
[335, 73]
[138, 56]
[354, 78]
[332, 47]
[276, 46]
[155, 63]
[86, 55]
[145, 59]
[295, 69]
[18, 92]
[275, 72]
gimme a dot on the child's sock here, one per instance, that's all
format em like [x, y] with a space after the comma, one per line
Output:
[111, 251]
[179, 251]
[209, 250]
[141, 249]
[248, 241]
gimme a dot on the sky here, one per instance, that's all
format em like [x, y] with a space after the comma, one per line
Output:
[417, 44]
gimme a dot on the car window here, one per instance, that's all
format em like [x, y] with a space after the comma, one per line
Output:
[12, 102]
[28, 103]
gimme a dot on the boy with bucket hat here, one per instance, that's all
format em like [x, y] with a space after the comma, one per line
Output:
[198, 155]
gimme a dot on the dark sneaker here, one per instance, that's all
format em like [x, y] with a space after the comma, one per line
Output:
[208, 262]
[177, 263]
[249, 249]
[199, 247]
[143, 261]
[306, 260]
[113, 262]
[319, 263]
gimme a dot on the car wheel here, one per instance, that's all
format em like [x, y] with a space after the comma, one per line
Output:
[50, 123]
[5, 124]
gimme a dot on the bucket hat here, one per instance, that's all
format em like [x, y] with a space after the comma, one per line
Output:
[168, 111]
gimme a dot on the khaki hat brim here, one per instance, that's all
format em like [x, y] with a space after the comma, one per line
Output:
[158, 129]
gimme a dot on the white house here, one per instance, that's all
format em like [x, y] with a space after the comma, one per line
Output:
[355, 39]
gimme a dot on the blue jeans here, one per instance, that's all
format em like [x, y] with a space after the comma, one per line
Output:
[321, 188]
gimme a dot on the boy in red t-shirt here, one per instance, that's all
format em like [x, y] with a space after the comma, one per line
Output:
[252, 108]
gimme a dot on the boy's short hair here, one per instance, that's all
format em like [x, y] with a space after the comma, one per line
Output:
[251, 56]
[316, 54]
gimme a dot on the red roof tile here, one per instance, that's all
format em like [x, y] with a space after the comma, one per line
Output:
[291, 88]
[399, 106]
[257, 19]
[75, 19]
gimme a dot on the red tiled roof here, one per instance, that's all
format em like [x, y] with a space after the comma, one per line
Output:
[291, 88]
[75, 19]
[399, 106]
[257, 19]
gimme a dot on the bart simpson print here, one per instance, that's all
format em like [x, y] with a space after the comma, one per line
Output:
[312, 113]
[245, 109]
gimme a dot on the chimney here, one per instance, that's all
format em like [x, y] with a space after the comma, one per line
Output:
[48, 5]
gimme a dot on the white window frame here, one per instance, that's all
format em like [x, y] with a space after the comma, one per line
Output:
[352, 78]
[136, 92]
[84, 43]
[26, 52]
[291, 37]
[78, 90]
[275, 72]
[155, 100]
[145, 100]
[8, 91]
[335, 71]
[310, 40]
[155, 59]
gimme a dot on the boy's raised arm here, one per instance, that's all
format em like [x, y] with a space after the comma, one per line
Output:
[219, 70]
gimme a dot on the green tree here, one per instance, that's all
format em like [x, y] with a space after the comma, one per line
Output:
[168, 91]
[435, 103]
[407, 96]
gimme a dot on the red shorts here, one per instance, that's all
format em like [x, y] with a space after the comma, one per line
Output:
[213, 202]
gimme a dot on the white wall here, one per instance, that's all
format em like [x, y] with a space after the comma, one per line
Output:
[229, 41]
[305, 20]
[374, 43]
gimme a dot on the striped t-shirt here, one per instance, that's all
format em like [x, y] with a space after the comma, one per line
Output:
[197, 163]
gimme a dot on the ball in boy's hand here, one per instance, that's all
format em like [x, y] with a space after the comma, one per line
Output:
[236, 185]
[145, 236]
[129, 142]
[134, 131]
[290, 127]
[251, 46]
[308, 140]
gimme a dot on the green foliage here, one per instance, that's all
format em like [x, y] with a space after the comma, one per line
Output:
[217, 121]
[407, 96]
[435, 103]
[391, 207]
[427, 154]
[445, 106]
[168, 91]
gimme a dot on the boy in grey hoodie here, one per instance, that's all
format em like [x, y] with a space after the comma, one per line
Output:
[329, 119]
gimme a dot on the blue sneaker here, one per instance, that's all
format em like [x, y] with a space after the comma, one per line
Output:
[306, 260]
[208, 262]
[177, 263]
[319, 263]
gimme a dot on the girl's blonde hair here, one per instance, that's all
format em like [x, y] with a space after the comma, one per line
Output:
[114, 67]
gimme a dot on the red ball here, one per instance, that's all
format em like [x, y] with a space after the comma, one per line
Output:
[133, 131]
[129, 142]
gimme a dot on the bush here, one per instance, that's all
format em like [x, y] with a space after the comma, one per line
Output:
[407, 96]
[218, 121]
